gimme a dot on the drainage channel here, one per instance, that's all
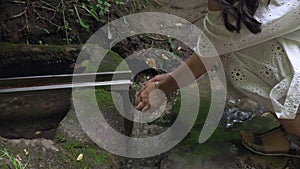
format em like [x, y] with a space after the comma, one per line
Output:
[33, 106]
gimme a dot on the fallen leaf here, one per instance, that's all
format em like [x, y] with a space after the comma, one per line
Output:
[178, 24]
[38, 132]
[165, 57]
[26, 152]
[80, 157]
[18, 157]
[151, 62]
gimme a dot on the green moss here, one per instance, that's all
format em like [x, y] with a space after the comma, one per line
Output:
[104, 97]
[195, 149]
[14, 46]
[191, 143]
[112, 62]
[27, 54]
[203, 111]
[99, 158]
[59, 138]
[221, 140]
[92, 155]
[73, 145]
[55, 48]
[9, 46]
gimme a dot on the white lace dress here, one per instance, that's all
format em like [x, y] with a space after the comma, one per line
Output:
[264, 66]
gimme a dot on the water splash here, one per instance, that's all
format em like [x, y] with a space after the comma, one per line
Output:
[239, 111]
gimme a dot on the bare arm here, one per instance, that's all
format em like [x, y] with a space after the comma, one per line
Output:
[167, 82]
[194, 64]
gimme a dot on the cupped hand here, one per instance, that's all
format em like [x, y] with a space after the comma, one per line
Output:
[143, 96]
[157, 78]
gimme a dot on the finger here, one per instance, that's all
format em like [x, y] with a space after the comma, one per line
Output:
[140, 106]
[143, 88]
[144, 94]
[143, 97]
[154, 79]
[151, 80]
[137, 94]
[147, 107]
[137, 100]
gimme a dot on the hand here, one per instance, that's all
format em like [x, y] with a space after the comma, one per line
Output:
[143, 101]
[157, 78]
[143, 96]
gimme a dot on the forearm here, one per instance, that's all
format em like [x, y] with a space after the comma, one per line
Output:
[183, 75]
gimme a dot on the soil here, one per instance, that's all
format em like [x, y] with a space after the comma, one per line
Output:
[35, 22]
[56, 21]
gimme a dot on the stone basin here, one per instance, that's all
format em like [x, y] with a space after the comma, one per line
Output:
[37, 113]
[33, 114]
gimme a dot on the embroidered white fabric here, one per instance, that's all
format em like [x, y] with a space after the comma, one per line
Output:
[264, 66]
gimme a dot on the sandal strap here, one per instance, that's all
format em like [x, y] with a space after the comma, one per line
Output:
[273, 130]
[258, 147]
[294, 143]
[258, 143]
[293, 149]
[293, 139]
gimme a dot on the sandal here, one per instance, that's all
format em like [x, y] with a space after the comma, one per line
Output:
[254, 143]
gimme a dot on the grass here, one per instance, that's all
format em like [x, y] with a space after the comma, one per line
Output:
[16, 164]
[92, 155]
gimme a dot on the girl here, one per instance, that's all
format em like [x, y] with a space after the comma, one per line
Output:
[258, 42]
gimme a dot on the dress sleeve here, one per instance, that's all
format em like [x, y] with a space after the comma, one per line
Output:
[278, 19]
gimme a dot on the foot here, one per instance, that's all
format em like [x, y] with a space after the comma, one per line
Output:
[275, 142]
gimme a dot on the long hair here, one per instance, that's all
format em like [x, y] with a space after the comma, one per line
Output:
[242, 12]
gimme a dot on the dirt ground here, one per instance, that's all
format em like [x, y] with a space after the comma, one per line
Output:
[56, 22]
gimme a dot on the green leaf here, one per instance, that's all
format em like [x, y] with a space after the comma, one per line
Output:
[107, 4]
[100, 2]
[81, 21]
[84, 24]
[46, 30]
[119, 3]
[175, 53]
[92, 12]
[170, 41]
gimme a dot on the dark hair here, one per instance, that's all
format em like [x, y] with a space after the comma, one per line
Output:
[243, 12]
